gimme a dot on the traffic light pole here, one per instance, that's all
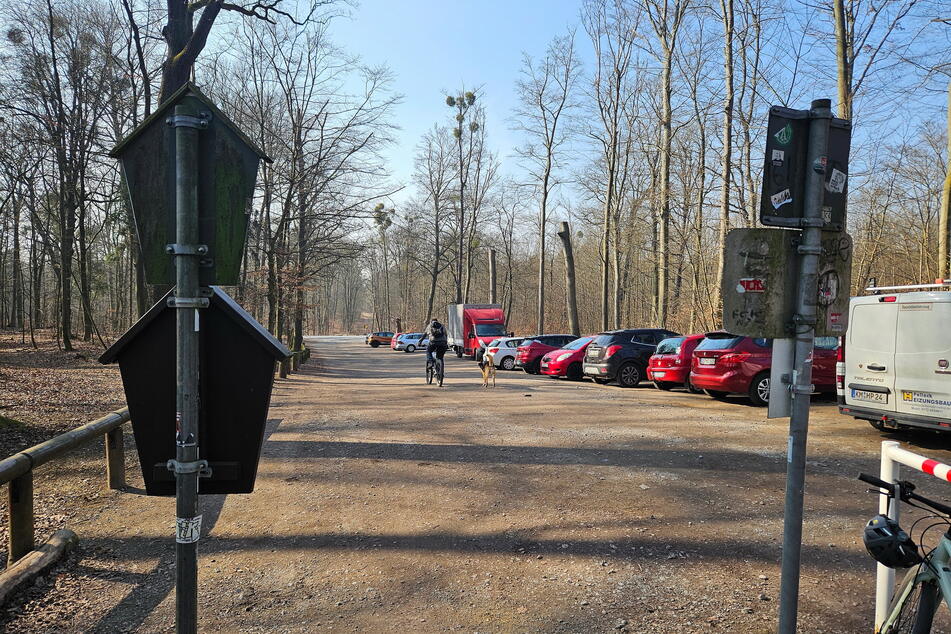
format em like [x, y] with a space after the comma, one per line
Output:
[810, 249]
[187, 302]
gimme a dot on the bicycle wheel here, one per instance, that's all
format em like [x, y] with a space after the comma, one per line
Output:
[439, 370]
[913, 606]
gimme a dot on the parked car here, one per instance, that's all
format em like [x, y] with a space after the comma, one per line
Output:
[376, 339]
[669, 366]
[502, 351]
[395, 339]
[724, 363]
[532, 349]
[566, 361]
[895, 370]
[412, 341]
[622, 355]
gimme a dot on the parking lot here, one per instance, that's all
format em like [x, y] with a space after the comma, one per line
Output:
[384, 504]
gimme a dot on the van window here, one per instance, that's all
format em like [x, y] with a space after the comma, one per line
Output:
[922, 330]
[872, 327]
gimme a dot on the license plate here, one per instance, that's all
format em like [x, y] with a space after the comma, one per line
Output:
[708, 361]
[870, 397]
[590, 369]
[659, 373]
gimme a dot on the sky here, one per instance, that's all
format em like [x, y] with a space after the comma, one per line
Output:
[434, 48]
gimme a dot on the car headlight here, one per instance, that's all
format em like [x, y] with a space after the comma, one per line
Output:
[564, 356]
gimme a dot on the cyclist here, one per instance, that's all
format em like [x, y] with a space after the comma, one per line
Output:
[438, 341]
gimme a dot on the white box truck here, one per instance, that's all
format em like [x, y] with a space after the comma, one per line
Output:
[894, 362]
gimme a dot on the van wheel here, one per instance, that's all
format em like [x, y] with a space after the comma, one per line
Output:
[717, 394]
[508, 363]
[410, 348]
[629, 375]
[574, 372]
[664, 385]
[759, 389]
[374, 344]
[877, 424]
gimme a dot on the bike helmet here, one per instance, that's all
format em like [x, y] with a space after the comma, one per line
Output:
[888, 544]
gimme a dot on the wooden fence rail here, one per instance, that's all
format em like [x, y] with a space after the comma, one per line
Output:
[17, 472]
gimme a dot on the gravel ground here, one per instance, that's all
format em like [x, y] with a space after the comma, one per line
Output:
[383, 504]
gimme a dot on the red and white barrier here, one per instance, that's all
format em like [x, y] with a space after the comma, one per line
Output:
[893, 457]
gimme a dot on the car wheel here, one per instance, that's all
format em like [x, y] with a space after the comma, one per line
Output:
[374, 344]
[508, 363]
[717, 394]
[759, 389]
[574, 372]
[629, 375]
[410, 348]
[664, 385]
[693, 389]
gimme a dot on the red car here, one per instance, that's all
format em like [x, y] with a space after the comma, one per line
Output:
[394, 340]
[729, 364]
[566, 361]
[669, 367]
[529, 354]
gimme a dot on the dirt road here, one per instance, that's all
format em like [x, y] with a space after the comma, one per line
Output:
[384, 504]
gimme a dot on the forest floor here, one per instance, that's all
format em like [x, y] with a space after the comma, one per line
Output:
[384, 504]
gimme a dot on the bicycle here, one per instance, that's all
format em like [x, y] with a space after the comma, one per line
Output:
[434, 369]
[928, 581]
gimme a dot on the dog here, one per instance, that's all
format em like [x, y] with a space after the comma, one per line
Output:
[487, 365]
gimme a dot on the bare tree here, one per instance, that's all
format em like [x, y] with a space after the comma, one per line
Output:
[545, 91]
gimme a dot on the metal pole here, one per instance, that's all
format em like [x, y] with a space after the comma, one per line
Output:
[805, 321]
[186, 465]
[492, 299]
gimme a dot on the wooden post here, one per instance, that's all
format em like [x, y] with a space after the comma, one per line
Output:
[20, 507]
[285, 365]
[570, 287]
[295, 363]
[115, 459]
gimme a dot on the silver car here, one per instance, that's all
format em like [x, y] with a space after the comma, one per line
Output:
[412, 341]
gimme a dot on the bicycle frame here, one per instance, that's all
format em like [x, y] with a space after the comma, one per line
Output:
[938, 559]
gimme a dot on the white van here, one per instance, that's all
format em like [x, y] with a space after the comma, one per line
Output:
[895, 372]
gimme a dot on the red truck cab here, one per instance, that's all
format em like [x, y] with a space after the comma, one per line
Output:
[472, 326]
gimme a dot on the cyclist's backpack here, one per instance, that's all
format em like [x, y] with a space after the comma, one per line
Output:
[438, 331]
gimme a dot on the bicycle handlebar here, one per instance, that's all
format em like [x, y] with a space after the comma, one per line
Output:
[906, 491]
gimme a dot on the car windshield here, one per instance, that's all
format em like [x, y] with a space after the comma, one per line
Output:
[669, 346]
[719, 342]
[490, 330]
[577, 343]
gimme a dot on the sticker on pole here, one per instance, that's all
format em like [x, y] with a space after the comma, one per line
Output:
[187, 529]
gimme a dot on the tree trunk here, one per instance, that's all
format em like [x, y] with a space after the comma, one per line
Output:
[843, 60]
[542, 224]
[727, 155]
[943, 229]
[571, 293]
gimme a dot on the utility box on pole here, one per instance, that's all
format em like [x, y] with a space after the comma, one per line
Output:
[235, 381]
[228, 164]
[784, 172]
